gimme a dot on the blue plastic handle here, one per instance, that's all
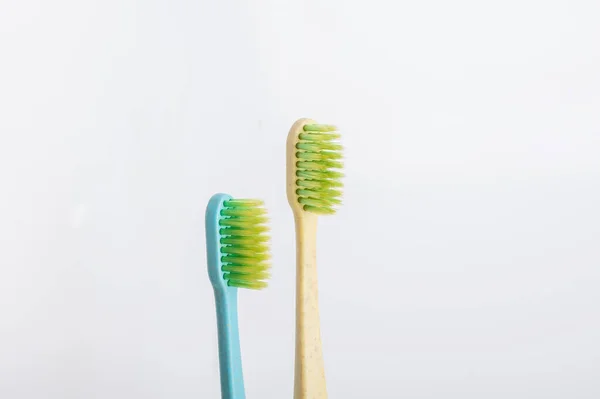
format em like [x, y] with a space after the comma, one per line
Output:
[230, 358]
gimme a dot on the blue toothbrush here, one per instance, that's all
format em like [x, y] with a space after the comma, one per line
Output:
[237, 248]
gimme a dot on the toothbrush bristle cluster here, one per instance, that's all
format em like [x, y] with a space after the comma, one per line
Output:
[244, 239]
[318, 165]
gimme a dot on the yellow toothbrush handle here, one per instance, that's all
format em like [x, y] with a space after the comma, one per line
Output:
[309, 381]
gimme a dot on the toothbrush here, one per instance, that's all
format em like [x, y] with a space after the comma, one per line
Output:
[313, 188]
[237, 247]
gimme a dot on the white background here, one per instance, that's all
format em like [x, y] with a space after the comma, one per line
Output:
[465, 262]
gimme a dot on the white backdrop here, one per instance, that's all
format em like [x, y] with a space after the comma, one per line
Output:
[465, 262]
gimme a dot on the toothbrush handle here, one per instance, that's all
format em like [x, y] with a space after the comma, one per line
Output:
[230, 358]
[309, 381]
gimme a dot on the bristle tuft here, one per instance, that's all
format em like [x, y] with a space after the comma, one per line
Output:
[245, 248]
[318, 162]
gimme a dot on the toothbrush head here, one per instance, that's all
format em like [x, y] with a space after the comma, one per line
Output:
[238, 242]
[314, 166]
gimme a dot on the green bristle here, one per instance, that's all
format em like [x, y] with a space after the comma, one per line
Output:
[244, 242]
[318, 168]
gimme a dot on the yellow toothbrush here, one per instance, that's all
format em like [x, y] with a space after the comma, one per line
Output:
[313, 188]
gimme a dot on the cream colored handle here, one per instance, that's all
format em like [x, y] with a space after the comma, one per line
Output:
[309, 381]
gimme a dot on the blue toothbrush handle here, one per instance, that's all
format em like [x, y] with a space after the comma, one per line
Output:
[230, 357]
